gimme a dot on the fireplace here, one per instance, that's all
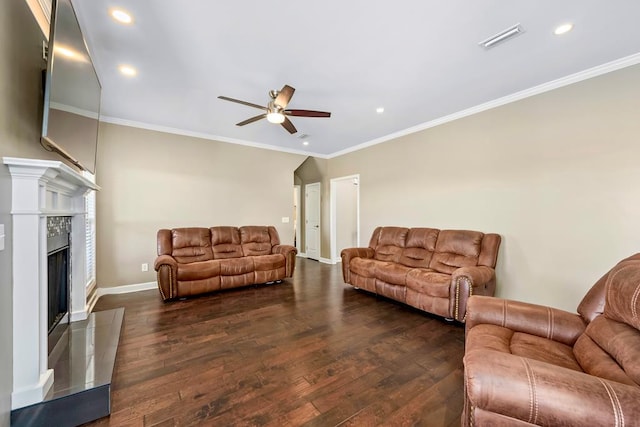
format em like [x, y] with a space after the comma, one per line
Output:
[58, 276]
[40, 191]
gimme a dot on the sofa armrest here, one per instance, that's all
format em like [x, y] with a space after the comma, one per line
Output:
[467, 281]
[350, 253]
[289, 253]
[544, 394]
[542, 321]
[167, 269]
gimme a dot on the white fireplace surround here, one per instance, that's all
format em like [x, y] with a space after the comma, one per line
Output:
[41, 188]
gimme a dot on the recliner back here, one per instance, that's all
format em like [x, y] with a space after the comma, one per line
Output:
[196, 244]
[185, 244]
[225, 242]
[610, 346]
[441, 250]
[257, 240]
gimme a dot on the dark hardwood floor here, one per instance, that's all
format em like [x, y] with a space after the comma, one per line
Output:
[310, 351]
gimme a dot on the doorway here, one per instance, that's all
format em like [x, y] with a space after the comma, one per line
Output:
[345, 214]
[312, 220]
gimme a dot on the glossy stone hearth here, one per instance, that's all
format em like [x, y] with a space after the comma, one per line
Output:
[83, 364]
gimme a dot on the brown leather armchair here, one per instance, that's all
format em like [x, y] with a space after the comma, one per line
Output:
[527, 364]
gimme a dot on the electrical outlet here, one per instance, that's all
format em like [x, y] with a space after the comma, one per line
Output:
[285, 219]
[145, 267]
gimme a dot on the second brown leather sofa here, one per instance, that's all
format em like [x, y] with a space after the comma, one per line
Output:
[430, 269]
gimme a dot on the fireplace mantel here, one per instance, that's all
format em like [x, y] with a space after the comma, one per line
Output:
[41, 188]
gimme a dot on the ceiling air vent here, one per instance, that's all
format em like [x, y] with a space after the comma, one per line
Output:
[502, 36]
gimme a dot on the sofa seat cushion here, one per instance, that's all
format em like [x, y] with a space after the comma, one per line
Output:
[236, 266]
[268, 262]
[429, 282]
[394, 274]
[198, 270]
[505, 340]
[365, 267]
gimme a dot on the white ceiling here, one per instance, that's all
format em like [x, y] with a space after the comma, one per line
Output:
[419, 59]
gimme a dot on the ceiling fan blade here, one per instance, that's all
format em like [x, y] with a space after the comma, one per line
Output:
[289, 126]
[284, 96]
[307, 113]
[251, 120]
[226, 98]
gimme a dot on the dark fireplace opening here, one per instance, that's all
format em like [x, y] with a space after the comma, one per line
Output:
[58, 277]
[58, 271]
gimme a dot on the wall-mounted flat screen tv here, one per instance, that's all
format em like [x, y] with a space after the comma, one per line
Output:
[71, 91]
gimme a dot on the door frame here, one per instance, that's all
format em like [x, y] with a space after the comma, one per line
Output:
[299, 221]
[335, 257]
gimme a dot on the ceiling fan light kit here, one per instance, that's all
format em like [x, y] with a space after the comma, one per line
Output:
[275, 117]
[275, 111]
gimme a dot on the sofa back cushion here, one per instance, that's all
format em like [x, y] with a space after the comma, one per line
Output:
[225, 242]
[388, 243]
[258, 240]
[615, 334]
[455, 249]
[191, 244]
[419, 247]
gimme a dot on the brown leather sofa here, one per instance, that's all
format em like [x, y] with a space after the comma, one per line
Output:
[527, 364]
[194, 261]
[429, 269]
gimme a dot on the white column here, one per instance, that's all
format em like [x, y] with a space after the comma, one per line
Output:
[31, 377]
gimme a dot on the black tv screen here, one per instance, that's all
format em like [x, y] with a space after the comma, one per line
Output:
[71, 93]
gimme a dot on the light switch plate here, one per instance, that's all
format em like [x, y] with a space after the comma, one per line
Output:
[1, 237]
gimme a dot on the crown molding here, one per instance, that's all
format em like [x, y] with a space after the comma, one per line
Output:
[202, 135]
[536, 90]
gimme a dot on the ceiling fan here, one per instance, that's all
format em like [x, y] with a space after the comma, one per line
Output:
[275, 111]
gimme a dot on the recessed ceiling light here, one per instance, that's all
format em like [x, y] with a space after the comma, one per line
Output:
[305, 143]
[128, 70]
[563, 29]
[121, 16]
[380, 110]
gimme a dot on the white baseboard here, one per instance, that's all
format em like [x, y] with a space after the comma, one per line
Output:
[321, 259]
[125, 289]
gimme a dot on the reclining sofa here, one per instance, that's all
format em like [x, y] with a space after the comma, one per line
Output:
[527, 364]
[194, 261]
[429, 269]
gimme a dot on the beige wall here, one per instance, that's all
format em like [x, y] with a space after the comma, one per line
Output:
[152, 180]
[557, 175]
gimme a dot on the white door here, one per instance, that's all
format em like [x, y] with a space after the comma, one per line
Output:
[312, 220]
